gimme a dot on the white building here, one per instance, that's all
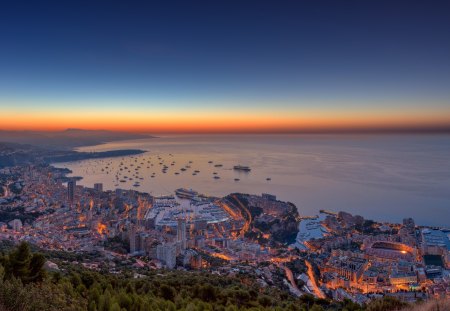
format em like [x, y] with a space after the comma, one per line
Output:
[167, 253]
[16, 224]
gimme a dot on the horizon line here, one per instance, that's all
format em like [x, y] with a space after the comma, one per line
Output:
[344, 130]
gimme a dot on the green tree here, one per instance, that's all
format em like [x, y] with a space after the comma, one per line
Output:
[167, 292]
[36, 272]
[115, 307]
[92, 306]
[19, 262]
[316, 308]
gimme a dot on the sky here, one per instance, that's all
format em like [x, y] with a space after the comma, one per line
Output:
[225, 66]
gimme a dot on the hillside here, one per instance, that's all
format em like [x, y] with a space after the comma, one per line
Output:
[26, 285]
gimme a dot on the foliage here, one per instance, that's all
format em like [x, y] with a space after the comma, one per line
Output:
[25, 287]
[23, 265]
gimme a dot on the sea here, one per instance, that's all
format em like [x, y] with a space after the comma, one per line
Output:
[384, 177]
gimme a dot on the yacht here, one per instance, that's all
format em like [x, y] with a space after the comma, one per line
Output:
[185, 193]
[242, 168]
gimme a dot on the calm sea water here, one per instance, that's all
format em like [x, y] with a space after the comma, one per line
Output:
[382, 177]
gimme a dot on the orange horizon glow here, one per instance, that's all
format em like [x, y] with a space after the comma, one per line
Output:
[224, 118]
[222, 123]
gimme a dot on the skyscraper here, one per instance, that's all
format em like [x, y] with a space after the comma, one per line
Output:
[71, 190]
[132, 237]
[181, 233]
[167, 253]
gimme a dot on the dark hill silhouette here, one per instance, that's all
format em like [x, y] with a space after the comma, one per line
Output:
[66, 139]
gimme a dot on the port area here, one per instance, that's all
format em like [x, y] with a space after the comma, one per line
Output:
[310, 227]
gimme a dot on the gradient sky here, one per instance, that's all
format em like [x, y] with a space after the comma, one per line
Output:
[224, 65]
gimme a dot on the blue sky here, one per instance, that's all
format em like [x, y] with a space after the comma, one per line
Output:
[190, 54]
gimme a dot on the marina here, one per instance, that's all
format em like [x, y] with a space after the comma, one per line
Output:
[310, 228]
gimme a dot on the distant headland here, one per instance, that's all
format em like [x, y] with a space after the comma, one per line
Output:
[67, 139]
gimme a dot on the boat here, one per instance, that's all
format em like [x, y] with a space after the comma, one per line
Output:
[242, 168]
[183, 169]
[216, 177]
[185, 193]
[218, 165]
[236, 179]
[268, 179]
[210, 162]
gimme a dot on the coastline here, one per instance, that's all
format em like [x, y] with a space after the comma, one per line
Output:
[299, 175]
[78, 156]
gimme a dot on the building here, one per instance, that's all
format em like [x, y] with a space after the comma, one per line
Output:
[71, 190]
[167, 253]
[437, 242]
[181, 233]
[352, 268]
[132, 237]
[402, 278]
[16, 224]
[409, 223]
[98, 187]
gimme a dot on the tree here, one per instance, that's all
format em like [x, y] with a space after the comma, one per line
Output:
[92, 306]
[36, 272]
[167, 292]
[385, 304]
[316, 308]
[19, 262]
[115, 307]
[23, 265]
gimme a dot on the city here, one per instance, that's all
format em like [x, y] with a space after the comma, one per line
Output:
[225, 155]
[333, 255]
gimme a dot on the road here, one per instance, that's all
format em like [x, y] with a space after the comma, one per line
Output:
[248, 218]
[291, 279]
[227, 206]
[317, 292]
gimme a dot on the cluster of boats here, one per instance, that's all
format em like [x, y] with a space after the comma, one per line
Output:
[130, 169]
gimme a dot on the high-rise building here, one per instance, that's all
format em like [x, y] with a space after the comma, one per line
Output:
[132, 238]
[98, 187]
[181, 233]
[167, 253]
[71, 190]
